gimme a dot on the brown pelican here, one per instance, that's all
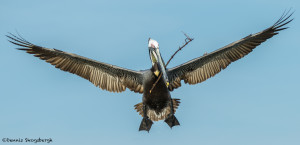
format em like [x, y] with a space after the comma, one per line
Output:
[158, 104]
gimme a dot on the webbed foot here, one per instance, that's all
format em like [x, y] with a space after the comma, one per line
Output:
[145, 124]
[172, 120]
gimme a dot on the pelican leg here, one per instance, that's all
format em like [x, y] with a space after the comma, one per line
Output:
[171, 120]
[146, 122]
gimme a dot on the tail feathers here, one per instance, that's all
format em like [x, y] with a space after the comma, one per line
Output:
[176, 103]
[154, 116]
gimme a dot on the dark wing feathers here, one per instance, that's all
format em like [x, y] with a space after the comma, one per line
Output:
[106, 76]
[208, 65]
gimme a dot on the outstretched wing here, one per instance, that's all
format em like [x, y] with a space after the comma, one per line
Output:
[204, 67]
[106, 76]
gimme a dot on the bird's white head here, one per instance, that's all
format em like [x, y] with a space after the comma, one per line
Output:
[157, 62]
[153, 44]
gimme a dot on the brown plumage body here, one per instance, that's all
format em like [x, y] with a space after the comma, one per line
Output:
[159, 96]
[158, 102]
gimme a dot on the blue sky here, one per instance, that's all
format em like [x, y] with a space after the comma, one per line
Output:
[254, 101]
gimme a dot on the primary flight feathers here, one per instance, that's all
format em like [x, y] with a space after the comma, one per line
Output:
[117, 79]
[106, 76]
[208, 65]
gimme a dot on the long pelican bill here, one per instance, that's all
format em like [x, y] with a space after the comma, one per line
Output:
[156, 58]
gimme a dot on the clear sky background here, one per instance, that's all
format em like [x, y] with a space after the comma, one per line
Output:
[254, 101]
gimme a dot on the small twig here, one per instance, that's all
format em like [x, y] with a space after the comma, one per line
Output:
[187, 41]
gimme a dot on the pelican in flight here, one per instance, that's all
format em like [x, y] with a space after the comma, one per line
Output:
[156, 104]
